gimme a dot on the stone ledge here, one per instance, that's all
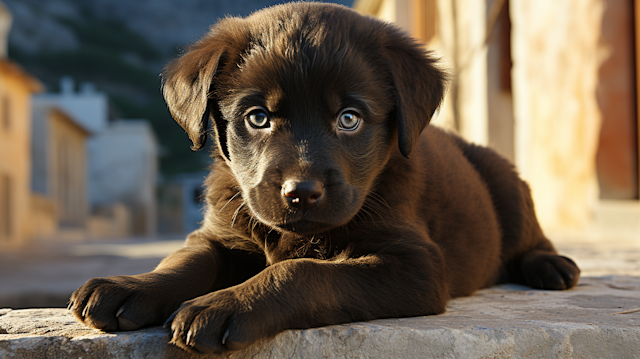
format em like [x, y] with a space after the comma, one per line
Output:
[507, 321]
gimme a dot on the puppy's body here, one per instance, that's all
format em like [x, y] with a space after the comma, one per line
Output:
[327, 202]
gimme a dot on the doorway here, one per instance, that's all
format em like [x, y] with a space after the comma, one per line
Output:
[617, 155]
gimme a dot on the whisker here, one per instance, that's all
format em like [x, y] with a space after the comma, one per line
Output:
[229, 201]
[378, 212]
[379, 199]
[374, 214]
[235, 214]
[255, 223]
[374, 206]
[364, 213]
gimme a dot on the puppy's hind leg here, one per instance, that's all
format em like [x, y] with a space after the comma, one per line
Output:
[529, 257]
[535, 262]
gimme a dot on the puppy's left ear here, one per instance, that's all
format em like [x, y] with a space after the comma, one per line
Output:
[419, 86]
[188, 83]
[186, 86]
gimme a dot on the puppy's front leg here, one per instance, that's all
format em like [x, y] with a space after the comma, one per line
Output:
[131, 302]
[306, 293]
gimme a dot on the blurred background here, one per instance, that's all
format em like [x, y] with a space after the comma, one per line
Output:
[97, 179]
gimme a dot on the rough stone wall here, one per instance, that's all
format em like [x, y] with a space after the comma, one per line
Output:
[460, 38]
[556, 56]
[471, 70]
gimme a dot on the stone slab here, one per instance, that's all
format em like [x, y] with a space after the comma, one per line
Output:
[600, 318]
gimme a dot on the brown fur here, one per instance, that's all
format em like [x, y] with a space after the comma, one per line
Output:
[308, 224]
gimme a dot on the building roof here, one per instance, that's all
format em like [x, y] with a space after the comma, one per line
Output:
[43, 109]
[70, 120]
[10, 67]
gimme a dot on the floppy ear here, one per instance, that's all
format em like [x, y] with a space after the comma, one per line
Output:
[188, 83]
[419, 87]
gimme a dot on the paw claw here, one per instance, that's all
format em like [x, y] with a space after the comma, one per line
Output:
[119, 312]
[225, 337]
[169, 320]
[189, 337]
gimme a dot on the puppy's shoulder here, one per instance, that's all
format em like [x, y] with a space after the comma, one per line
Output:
[438, 145]
[445, 163]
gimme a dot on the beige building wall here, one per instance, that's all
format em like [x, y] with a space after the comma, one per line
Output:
[58, 175]
[43, 217]
[16, 88]
[67, 177]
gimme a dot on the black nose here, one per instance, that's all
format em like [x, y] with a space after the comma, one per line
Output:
[302, 195]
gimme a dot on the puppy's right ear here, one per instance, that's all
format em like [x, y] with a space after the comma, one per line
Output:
[419, 83]
[188, 82]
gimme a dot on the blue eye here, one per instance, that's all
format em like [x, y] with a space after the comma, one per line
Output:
[349, 120]
[258, 118]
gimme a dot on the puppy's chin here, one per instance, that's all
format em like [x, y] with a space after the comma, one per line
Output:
[305, 227]
[301, 224]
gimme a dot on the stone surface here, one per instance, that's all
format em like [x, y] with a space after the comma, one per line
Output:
[45, 274]
[501, 322]
[600, 318]
[610, 245]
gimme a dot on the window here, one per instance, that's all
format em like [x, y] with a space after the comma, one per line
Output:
[5, 207]
[5, 112]
[197, 196]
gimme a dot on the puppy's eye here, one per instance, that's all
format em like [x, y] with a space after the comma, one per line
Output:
[258, 118]
[349, 120]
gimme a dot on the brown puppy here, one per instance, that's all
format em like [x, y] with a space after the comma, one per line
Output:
[327, 202]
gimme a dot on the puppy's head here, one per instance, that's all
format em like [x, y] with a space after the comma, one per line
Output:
[307, 102]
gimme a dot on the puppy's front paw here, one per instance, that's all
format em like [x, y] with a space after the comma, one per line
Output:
[118, 303]
[215, 323]
[550, 271]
